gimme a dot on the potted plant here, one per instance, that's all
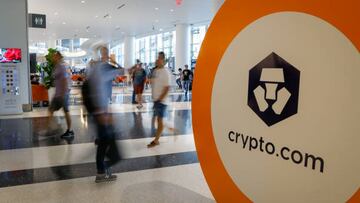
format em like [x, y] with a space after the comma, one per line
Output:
[48, 69]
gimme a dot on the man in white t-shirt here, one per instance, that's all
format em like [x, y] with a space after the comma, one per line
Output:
[160, 84]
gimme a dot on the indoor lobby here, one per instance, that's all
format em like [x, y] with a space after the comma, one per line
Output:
[179, 101]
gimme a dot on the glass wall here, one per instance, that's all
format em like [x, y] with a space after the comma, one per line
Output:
[197, 37]
[146, 48]
[118, 50]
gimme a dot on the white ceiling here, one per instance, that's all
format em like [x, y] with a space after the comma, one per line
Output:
[69, 18]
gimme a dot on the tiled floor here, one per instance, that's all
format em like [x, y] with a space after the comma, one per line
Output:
[38, 166]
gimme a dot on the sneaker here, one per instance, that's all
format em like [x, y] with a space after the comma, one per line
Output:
[139, 106]
[105, 178]
[68, 134]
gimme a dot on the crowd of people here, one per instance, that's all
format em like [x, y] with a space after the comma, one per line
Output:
[96, 95]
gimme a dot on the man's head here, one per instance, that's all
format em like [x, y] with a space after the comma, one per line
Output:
[57, 57]
[186, 67]
[161, 55]
[104, 53]
[159, 63]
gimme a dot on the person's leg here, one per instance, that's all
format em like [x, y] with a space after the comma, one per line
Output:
[100, 155]
[186, 86]
[159, 112]
[159, 129]
[178, 82]
[54, 106]
[68, 120]
[69, 132]
[134, 97]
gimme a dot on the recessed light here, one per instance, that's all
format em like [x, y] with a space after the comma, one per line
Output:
[160, 29]
[156, 8]
[171, 10]
[63, 23]
[83, 2]
[96, 16]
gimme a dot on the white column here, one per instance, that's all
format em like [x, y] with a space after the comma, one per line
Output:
[51, 43]
[129, 51]
[216, 5]
[183, 41]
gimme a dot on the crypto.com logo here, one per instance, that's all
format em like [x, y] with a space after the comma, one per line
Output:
[274, 89]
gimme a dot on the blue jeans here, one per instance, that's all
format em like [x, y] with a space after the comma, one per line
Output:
[186, 85]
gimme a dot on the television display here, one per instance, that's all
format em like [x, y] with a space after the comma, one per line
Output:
[10, 55]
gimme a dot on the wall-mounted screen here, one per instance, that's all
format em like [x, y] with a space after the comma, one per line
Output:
[10, 55]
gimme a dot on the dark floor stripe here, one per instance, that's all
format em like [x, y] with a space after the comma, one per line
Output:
[41, 175]
[24, 133]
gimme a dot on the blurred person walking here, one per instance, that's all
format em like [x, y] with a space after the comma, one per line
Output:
[62, 93]
[96, 102]
[160, 84]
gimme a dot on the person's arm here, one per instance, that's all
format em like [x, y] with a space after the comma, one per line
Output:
[164, 93]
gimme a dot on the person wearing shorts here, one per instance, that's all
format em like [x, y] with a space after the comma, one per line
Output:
[139, 83]
[62, 91]
[160, 88]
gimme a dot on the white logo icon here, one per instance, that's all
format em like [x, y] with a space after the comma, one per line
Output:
[272, 77]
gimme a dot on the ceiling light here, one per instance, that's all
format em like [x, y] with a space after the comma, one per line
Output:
[171, 10]
[63, 23]
[96, 16]
[160, 29]
[122, 32]
[156, 8]
[156, 21]
[82, 2]
[56, 13]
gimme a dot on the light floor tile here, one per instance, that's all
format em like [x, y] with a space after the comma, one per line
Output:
[176, 184]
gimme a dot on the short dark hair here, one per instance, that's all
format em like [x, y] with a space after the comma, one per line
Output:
[161, 53]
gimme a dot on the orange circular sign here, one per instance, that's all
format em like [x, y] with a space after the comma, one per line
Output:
[233, 17]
